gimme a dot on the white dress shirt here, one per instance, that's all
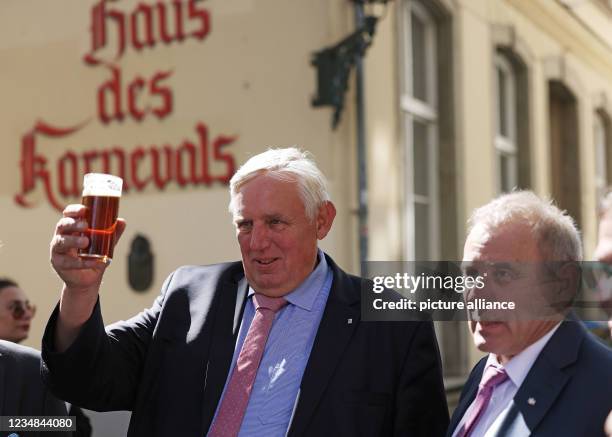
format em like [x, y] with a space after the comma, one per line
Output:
[517, 369]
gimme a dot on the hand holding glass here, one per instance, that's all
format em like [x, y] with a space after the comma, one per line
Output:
[101, 194]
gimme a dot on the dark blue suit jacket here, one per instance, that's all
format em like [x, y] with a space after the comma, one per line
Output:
[22, 392]
[169, 364]
[570, 381]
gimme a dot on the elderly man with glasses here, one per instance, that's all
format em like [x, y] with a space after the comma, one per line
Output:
[543, 374]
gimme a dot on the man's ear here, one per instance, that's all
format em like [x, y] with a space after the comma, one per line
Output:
[325, 218]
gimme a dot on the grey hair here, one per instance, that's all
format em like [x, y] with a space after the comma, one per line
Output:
[288, 164]
[555, 231]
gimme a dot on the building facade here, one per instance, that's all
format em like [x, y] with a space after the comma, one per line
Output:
[467, 99]
[463, 100]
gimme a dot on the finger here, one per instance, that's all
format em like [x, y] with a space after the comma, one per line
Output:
[69, 225]
[75, 210]
[119, 229]
[63, 244]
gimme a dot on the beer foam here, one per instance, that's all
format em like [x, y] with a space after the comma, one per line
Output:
[100, 184]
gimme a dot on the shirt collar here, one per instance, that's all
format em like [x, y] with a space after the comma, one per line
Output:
[306, 293]
[518, 367]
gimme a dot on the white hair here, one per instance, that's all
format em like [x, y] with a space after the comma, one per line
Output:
[289, 164]
[555, 231]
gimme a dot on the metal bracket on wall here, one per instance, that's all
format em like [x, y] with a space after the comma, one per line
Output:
[334, 65]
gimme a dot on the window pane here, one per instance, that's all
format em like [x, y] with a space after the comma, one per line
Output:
[421, 158]
[502, 125]
[421, 231]
[419, 60]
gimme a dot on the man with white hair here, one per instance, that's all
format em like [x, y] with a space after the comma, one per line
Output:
[270, 346]
[544, 375]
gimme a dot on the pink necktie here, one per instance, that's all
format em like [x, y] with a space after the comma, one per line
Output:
[493, 376]
[236, 397]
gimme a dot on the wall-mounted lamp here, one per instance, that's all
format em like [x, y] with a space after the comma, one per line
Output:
[334, 65]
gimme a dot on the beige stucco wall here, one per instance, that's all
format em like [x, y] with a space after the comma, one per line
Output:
[250, 78]
[554, 46]
[385, 155]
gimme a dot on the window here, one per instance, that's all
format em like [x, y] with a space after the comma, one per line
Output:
[420, 125]
[564, 149]
[426, 105]
[505, 124]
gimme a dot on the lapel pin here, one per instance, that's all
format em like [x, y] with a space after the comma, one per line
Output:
[349, 321]
[531, 401]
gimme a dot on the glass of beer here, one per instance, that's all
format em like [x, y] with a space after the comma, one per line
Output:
[101, 194]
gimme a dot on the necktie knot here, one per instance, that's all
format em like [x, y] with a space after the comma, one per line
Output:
[266, 302]
[492, 377]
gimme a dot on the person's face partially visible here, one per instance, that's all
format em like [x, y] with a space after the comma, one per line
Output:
[277, 240]
[15, 314]
[511, 262]
[603, 251]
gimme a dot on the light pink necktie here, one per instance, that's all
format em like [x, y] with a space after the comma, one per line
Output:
[236, 397]
[492, 377]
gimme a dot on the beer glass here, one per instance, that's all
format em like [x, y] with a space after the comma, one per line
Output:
[101, 194]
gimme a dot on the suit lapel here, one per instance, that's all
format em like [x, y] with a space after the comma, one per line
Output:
[338, 323]
[543, 390]
[467, 396]
[549, 374]
[241, 293]
[512, 424]
[223, 340]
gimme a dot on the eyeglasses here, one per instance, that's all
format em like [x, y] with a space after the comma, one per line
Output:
[19, 308]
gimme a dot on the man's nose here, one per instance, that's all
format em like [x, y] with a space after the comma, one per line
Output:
[27, 315]
[260, 238]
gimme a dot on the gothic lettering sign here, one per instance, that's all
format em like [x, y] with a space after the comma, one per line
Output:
[200, 159]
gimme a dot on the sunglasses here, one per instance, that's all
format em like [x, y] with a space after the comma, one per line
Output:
[19, 308]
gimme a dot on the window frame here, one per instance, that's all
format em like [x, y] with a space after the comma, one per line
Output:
[505, 145]
[423, 111]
